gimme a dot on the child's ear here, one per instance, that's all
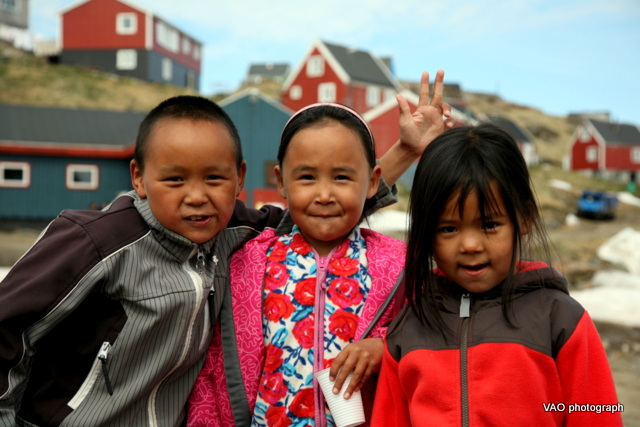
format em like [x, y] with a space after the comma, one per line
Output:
[278, 172]
[242, 173]
[136, 179]
[525, 226]
[374, 181]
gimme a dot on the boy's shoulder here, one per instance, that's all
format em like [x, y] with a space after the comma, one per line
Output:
[120, 223]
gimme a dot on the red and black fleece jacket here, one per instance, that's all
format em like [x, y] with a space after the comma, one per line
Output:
[548, 368]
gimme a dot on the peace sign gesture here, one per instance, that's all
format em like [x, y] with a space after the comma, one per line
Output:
[417, 130]
[429, 120]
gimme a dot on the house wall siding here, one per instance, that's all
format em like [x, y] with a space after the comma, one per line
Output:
[579, 155]
[105, 60]
[259, 125]
[619, 158]
[92, 25]
[47, 195]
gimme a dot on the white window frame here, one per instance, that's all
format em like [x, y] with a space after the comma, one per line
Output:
[315, 66]
[167, 37]
[196, 52]
[591, 154]
[635, 155]
[94, 175]
[186, 46]
[167, 69]
[327, 92]
[126, 23]
[373, 96]
[24, 167]
[126, 59]
[389, 94]
[295, 93]
[585, 136]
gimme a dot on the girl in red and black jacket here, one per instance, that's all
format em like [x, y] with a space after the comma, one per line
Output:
[487, 338]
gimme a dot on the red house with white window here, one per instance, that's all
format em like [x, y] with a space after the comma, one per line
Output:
[332, 73]
[607, 148]
[118, 37]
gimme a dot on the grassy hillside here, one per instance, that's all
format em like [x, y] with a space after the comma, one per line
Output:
[27, 80]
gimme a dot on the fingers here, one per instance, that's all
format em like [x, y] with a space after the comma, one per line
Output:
[424, 90]
[403, 106]
[438, 89]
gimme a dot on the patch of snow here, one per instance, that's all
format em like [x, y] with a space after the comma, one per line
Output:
[613, 299]
[624, 249]
[559, 184]
[572, 220]
[628, 198]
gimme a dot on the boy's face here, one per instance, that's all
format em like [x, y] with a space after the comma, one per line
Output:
[190, 177]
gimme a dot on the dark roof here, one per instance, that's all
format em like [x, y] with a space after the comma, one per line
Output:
[28, 124]
[268, 70]
[511, 128]
[616, 133]
[360, 65]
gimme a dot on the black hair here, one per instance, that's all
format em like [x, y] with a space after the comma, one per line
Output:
[185, 107]
[322, 115]
[459, 162]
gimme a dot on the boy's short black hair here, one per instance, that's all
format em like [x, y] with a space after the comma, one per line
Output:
[185, 107]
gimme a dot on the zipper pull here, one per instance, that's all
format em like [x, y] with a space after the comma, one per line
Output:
[212, 292]
[465, 305]
[200, 260]
[102, 355]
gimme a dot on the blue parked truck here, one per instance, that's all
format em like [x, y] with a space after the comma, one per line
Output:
[597, 204]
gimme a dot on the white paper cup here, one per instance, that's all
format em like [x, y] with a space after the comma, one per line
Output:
[345, 412]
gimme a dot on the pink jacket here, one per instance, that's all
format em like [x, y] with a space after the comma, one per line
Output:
[225, 392]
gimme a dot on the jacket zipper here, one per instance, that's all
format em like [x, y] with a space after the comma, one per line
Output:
[465, 305]
[102, 355]
[197, 280]
[318, 352]
[94, 373]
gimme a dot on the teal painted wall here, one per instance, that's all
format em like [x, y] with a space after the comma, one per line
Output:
[47, 195]
[259, 124]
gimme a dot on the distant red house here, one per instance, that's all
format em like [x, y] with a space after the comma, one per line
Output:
[606, 148]
[332, 73]
[118, 37]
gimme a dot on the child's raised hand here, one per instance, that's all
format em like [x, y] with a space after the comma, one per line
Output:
[363, 358]
[417, 130]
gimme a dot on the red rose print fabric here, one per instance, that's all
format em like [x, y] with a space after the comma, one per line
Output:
[294, 280]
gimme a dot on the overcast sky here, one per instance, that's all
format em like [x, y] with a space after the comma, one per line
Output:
[559, 56]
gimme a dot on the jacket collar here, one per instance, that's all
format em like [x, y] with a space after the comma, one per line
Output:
[179, 246]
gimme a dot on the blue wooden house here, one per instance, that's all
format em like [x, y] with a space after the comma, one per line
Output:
[53, 159]
[260, 121]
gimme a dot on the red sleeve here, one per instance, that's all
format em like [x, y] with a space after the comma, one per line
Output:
[586, 379]
[390, 407]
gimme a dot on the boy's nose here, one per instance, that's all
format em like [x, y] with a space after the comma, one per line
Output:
[196, 195]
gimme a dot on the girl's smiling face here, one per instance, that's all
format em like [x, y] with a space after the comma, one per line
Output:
[326, 178]
[475, 254]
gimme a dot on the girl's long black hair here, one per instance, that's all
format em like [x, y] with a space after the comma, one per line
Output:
[461, 161]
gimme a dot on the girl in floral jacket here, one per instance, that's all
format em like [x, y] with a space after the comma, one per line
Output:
[320, 296]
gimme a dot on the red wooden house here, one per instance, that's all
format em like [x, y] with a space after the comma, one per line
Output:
[610, 149]
[118, 37]
[332, 73]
